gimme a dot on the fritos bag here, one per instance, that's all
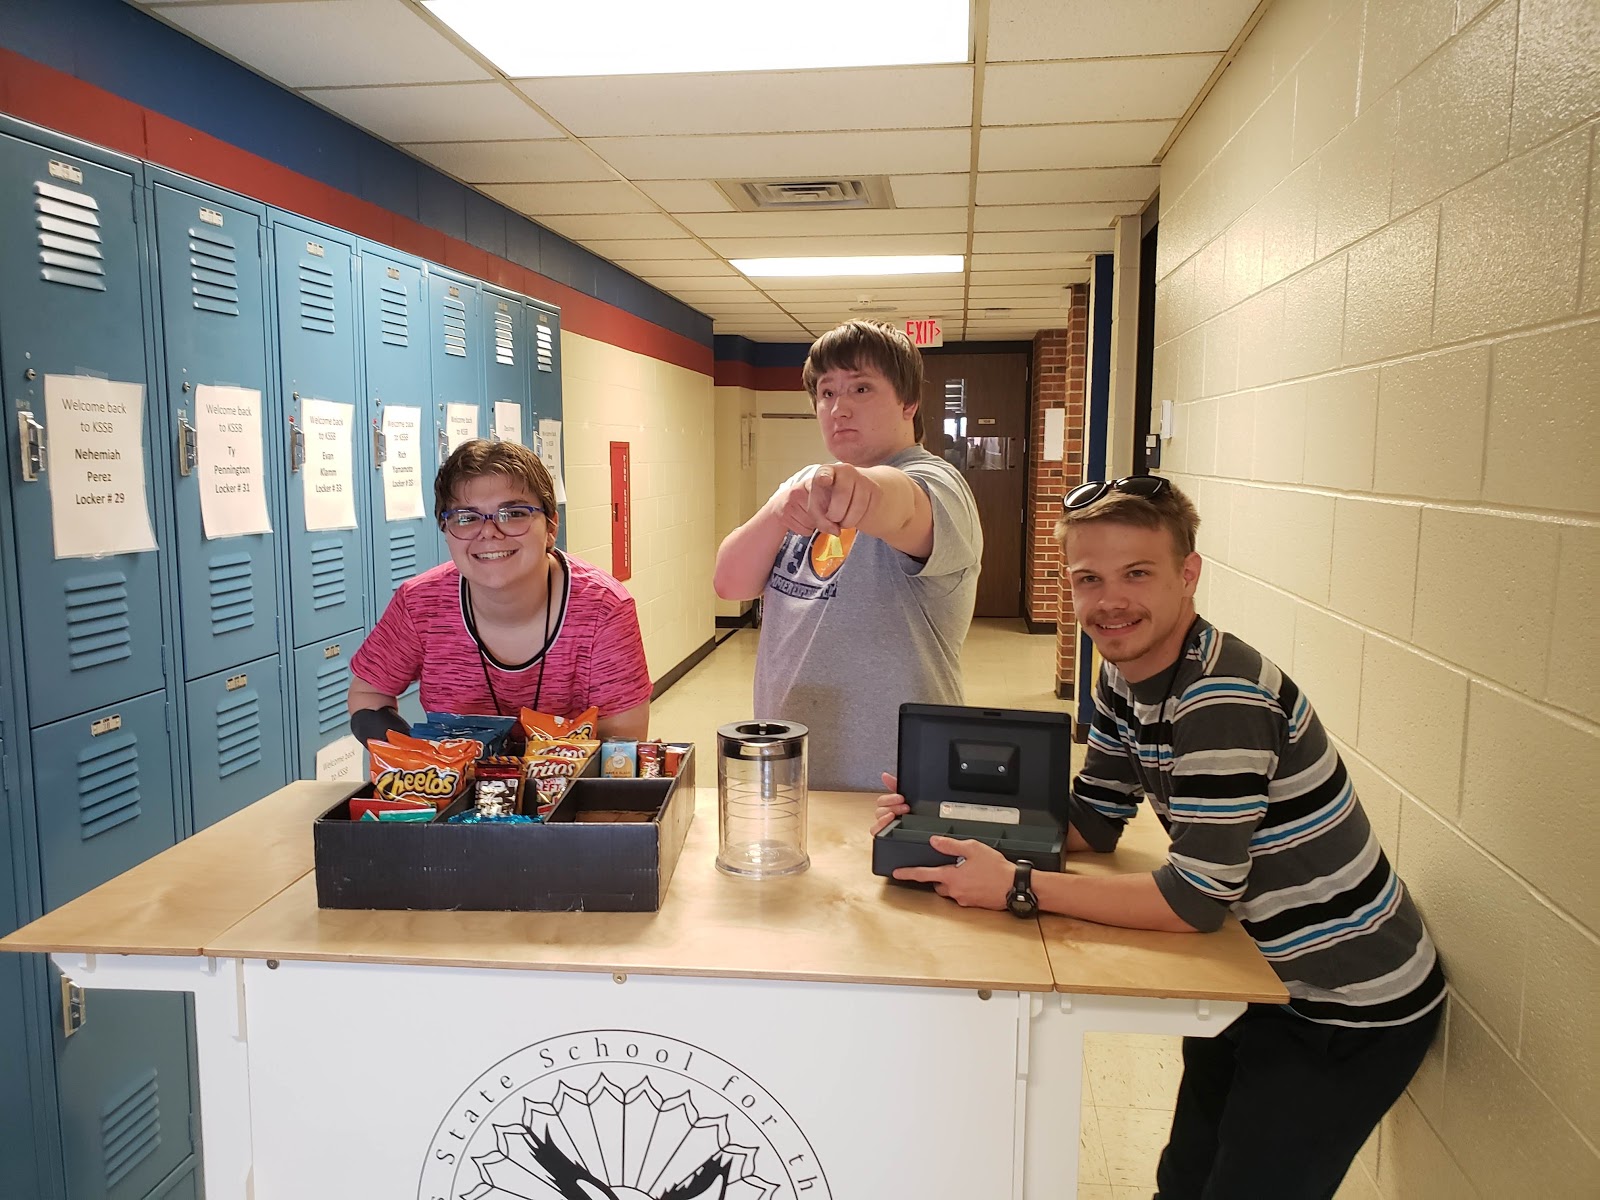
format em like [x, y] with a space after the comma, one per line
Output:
[542, 727]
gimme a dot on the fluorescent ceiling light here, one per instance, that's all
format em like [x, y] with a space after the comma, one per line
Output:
[880, 264]
[636, 37]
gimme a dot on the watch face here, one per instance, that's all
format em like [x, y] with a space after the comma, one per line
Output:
[1022, 904]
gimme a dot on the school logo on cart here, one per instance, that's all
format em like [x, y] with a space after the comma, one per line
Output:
[617, 1114]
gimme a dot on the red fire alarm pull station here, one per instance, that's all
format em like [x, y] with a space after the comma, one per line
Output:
[621, 518]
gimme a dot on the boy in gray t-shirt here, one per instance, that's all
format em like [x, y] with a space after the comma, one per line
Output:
[867, 567]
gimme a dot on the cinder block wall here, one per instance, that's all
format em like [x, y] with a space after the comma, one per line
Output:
[1379, 317]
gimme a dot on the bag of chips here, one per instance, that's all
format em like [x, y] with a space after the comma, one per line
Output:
[407, 773]
[542, 727]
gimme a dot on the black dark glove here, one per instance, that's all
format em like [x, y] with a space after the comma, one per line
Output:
[373, 724]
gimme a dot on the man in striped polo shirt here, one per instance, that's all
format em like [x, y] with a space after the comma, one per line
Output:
[1265, 824]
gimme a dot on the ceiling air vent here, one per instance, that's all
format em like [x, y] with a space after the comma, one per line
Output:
[807, 195]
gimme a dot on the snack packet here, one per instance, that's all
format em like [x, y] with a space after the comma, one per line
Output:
[543, 727]
[419, 776]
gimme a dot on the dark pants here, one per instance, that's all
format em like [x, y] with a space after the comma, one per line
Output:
[1276, 1107]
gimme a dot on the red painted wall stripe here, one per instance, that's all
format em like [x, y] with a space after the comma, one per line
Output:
[44, 96]
[732, 373]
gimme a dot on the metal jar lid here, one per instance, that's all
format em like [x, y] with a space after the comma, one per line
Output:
[762, 739]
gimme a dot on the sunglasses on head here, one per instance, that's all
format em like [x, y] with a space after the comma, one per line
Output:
[1085, 494]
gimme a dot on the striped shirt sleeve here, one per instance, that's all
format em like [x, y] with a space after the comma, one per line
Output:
[1106, 793]
[1226, 735]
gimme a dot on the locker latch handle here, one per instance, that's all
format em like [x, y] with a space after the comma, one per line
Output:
[380, 447]
[444, 443]
[188, 445]
[74, 1007]
[30, 437]
[297, 448]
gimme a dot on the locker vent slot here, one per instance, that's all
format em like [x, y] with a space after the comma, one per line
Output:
[97, 620]
[505, 351]
[402, 555]
[108, 785]
[130, 1128]
[316, 298]
[333, 688]
[233, 599]
[69, 237]
[455, 327]
[214, 272]
[238, 732]
[393, 315]
[327, 574]
[546, 347]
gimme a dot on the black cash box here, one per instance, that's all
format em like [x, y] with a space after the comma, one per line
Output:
[570, 862]
[982, 773]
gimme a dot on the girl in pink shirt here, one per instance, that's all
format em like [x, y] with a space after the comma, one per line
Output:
[510, 622]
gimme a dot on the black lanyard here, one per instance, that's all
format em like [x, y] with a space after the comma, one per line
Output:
[544, 650]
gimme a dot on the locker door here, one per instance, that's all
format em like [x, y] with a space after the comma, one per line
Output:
[125, 1098]
[505, 359]
[71, 304]
[103, 791]
[236, 739]
[322, 682]
[19, 1147]
[317, 340]
[455, 335]
[395, 341]
[213, 309]
[544, 324]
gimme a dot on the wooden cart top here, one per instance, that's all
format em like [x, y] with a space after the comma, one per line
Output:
[245, 889]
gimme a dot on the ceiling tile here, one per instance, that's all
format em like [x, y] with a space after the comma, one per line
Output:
[812, 247]
[880, 295]
[1004, 218]
[707, 284]
[445, 112]
[1032, 147]
[625, 226]
[1121, 89]
[1005, 262]
[686, 195]
[1027, 30]
[1068, 187]
[1093, 241]
[786, 155]
[648, 248]
[932, 97]
[930, 191]
[546, 161]
[839, 222]
[995, 293]
[548, 199]
[318, 44]
[1052, 275]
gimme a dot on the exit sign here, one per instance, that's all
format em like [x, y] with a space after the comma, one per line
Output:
[927, 332]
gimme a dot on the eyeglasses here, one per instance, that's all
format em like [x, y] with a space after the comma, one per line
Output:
[1085, 494]
[512, 520]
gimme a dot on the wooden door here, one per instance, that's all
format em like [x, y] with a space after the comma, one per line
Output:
[975, 415]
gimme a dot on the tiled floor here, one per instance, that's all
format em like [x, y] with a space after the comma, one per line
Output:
[1129, 1080]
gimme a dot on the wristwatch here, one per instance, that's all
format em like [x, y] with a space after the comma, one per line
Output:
[1020, 899]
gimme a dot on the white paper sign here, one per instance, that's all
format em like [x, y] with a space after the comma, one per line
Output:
[1055, 433]
[341, 759]
[402, 465]
[508, 420]
[95, 470]
[229, 461]
[461, 424]
[329, 471]
[550, 455]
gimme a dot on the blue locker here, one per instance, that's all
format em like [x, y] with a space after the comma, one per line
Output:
[71, 304]
[19, 1147]
[322, 685]
[455, 337]
[394, 318]
[506, 355]
[210, 271]
[127, 1105]
[544, 328]
[318, 335]
[236, 739]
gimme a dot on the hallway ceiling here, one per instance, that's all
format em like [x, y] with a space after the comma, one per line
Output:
[1020, 160]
